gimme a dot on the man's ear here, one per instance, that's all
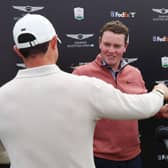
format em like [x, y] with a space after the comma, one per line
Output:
[126, 45]
[53, 42]
[16, 50]
[100, 38]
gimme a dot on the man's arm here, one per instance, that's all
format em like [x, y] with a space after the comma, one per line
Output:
[112, 103]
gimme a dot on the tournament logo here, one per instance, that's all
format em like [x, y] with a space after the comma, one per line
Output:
[79, 13]
[164, 62]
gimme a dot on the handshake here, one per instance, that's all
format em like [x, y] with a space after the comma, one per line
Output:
[163, 89]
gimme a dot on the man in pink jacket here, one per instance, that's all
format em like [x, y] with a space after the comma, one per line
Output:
[116, 143]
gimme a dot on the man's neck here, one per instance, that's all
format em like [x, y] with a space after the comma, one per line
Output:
[38, 61]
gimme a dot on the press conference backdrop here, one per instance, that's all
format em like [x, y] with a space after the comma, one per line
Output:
[77, 23]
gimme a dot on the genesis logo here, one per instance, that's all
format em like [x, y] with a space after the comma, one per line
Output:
[73, 66]
[79, 40]
[130, 60]
[161, 11]
[162, 81]
[28, 9]
[21, 65]
[79, 36]
[162, 14]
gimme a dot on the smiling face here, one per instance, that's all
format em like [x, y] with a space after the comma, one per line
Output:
[112, 47]
[113, 42]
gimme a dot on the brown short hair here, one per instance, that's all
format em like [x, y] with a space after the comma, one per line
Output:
[39, 49]
[116, 27]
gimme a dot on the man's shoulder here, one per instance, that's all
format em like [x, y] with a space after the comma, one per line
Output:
[7, 84]
[132, 68]
[84, 69]
[85, 66]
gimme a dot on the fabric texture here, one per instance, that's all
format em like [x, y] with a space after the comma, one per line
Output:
[48, 116]
[116, 140]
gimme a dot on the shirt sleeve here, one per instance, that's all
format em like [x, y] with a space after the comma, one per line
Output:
[112, 103]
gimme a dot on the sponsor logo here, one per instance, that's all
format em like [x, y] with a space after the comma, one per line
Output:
[162, 14]
[117, 14]
[79, 13]
[79, 36]
[162, 81]
[80, 40]
[161, 11]
[162, 157]
[28, 9]
[160, 39]
[164, 62]
[21, 65]
[131, 60]
[73, 66]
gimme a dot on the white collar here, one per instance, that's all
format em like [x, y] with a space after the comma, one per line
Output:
[37, 71]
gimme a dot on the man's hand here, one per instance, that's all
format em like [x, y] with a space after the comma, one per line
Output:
[163, 113]
[163, 89]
